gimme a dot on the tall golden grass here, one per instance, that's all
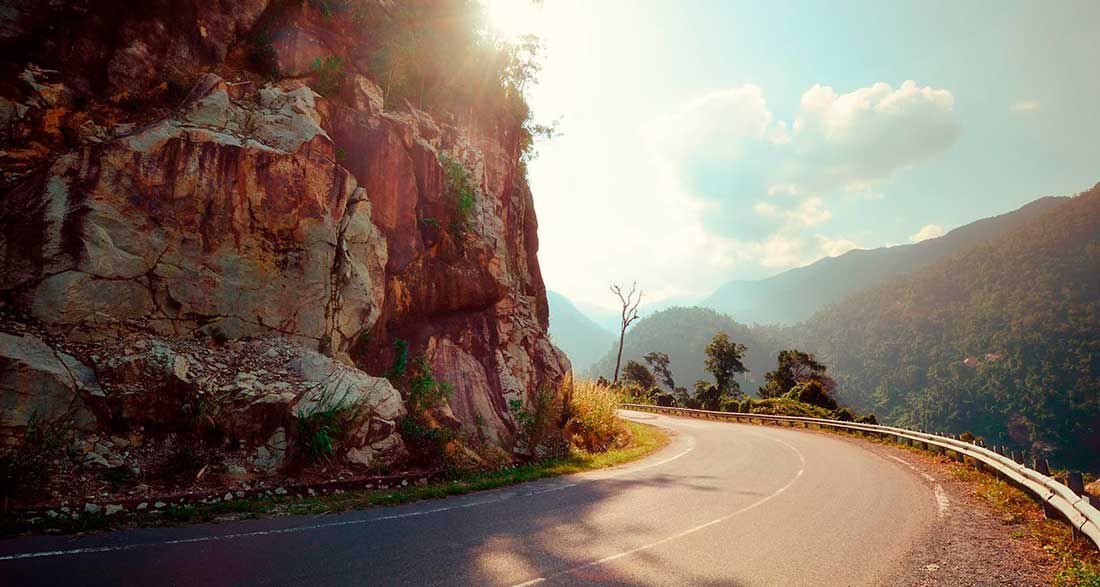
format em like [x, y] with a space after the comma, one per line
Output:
[593, 425]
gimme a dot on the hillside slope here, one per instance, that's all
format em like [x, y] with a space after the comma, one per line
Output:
[796, 294]
[1002, 340]
[582, 340]
[683, 334]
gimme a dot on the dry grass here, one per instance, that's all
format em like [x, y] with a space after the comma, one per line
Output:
[593, 425]
[1077, 557]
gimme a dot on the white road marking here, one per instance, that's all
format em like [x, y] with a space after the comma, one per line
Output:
[607, 559]
[942, 503]
[297, 529]
[941, 500]
[926, 476]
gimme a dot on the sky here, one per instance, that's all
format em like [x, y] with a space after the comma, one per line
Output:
[705, 141]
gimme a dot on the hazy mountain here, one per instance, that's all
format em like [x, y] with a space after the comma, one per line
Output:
[1002, 339]
[575, 333]
[796, 294]
[683, 333]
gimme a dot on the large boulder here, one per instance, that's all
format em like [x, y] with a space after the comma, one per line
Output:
[39, 386]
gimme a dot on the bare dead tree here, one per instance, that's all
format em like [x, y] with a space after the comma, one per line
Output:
[629, 315]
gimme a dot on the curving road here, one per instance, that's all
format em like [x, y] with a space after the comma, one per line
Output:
[723, 504]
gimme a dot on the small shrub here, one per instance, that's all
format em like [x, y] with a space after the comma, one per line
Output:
[784, 406]
[25, 466]
[328, 75]
[966, 437]
[461, 192]
[867, 419]
[321, 431]
[425, 391]
[400, 358]
[428, 441]
[538, 429]
[844, 415]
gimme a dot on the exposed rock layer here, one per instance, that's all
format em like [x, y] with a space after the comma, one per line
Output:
[256, 209]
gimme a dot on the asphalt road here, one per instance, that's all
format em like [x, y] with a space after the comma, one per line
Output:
[723, 504]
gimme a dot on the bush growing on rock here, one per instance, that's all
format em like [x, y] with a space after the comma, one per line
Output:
[538, 428]
[460, 191]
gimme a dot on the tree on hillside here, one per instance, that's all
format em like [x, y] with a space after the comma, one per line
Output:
[659, 363]
[812, 392]
[724, 362]
[637, 373]
[629, 315]
[795, 367]
[707, 396]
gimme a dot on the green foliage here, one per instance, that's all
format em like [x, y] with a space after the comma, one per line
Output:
[812, 392]
[843, 415]
[438, 56]
[708, 396]
[784, 406]
[460, 191]
[425, 391]
[659, 362]
[683, 334]
[539, 426]
[724, 361]
[427, 439]
[323, 426]
[328, 75]
[25, 465]
[637, 374]
[400, 358]
[795, 367]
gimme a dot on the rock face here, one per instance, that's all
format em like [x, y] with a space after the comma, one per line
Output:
[252, 210]
[229, 217]
[40, 385]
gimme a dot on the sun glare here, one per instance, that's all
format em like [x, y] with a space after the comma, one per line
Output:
[512, 18]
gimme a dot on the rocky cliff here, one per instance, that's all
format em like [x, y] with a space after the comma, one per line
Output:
[190, 231]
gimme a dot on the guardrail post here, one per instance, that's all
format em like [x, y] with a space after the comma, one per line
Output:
[1076, 482]
[1043, 468]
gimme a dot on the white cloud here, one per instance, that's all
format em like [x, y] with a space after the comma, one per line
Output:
[856, 140]
[926, 232]
[760, 184]
[833, 247]
[1024, 106]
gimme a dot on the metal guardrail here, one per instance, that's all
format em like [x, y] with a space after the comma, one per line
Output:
[1055, 497]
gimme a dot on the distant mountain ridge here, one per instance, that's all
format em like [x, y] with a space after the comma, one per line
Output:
[1002, 339]
[582, 339]
[795, 295]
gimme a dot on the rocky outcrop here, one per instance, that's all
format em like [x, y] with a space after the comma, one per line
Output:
[254, 211]
[40, 386]
[229, 217]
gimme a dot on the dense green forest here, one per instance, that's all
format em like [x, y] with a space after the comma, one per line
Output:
[1002, 340]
